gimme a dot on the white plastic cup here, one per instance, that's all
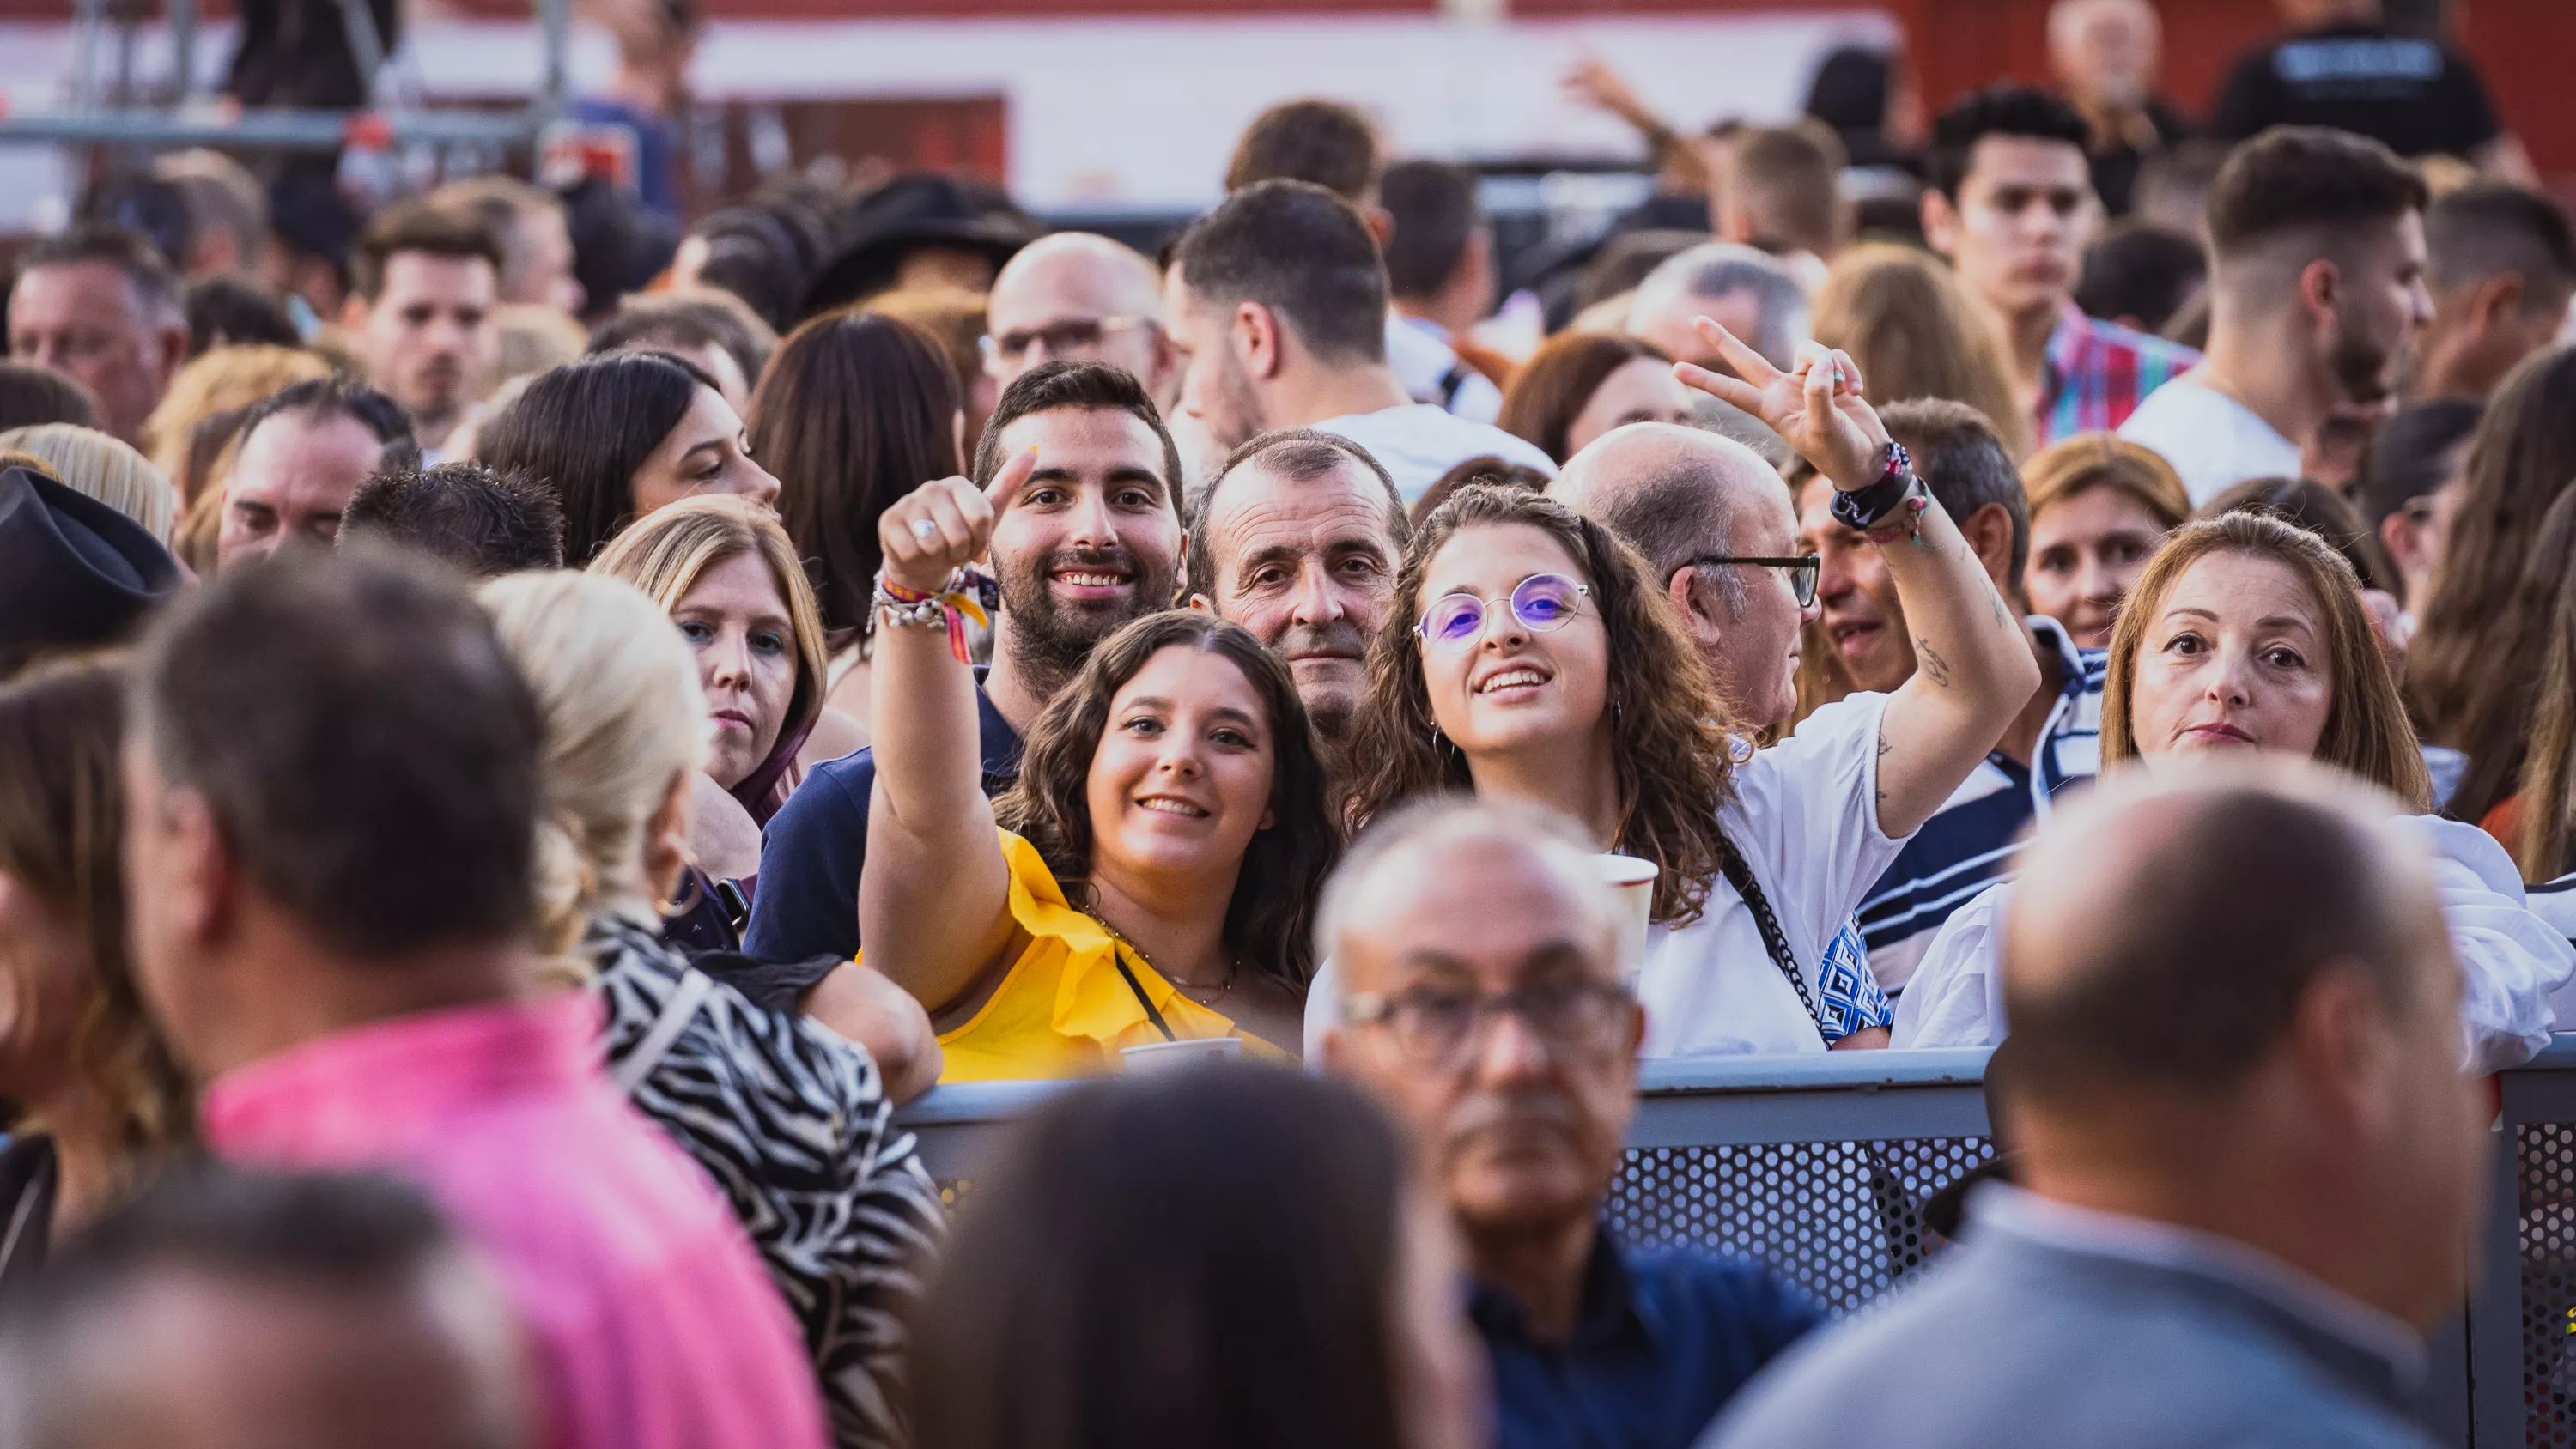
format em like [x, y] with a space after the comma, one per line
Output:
[1634, 881]
[1164, 1056]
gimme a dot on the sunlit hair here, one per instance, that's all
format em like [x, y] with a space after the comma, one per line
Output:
[62, 827]
[617, 692]
[667, 551]
[1907, 321]
[2366, 729]
[1269, 925]
[1671, 742]
[2547, 604]
[219, 380]
[104, 467]
[2086, 461]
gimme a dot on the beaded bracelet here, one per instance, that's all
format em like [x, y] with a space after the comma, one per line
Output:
[947, 607]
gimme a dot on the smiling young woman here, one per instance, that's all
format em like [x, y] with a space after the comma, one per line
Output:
[1151, 877]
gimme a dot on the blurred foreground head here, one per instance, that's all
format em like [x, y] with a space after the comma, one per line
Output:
[2234, 1006]
[1225, 1255]
[227, 1311]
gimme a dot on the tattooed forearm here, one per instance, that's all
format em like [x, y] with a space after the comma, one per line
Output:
[2003, 616]
[1932, 663]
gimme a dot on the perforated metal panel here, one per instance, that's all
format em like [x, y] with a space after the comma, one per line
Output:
[2546, 1153]
[1840, 1219]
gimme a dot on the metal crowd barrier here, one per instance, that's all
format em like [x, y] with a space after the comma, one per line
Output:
[1819, 1166]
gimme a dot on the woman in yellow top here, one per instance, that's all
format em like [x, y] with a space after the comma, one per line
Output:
[1153, 875]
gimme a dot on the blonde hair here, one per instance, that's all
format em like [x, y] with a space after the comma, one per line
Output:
[617, 689]
[667, 551]
[219, 380]
[1905, 319]
[535, 337]
[2366, 733]
[2088, 461]
[108, 469]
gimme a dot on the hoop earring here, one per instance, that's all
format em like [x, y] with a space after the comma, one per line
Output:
[691, 896]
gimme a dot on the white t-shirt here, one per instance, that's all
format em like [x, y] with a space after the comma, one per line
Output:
[1418, 442]
[2213, 441]
[1429, 368]
[2511, 961]
[1805, 817]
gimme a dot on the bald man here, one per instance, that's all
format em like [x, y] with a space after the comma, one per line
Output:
[1712, 521]
[2105, 55]
[2249, 1164]
[1083, 297]
[1485, 1008]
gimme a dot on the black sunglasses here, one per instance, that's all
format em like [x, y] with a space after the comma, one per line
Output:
[1803, 570]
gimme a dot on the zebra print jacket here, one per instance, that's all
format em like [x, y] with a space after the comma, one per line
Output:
[791, 1122]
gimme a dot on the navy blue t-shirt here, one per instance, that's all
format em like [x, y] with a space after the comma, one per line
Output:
[1662, 1339]
[811, 854]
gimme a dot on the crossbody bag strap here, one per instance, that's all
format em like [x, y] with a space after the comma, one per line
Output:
[1775, 941]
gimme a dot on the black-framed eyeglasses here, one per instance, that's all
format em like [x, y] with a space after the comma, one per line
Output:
[1803, 571]
[1437, 1026]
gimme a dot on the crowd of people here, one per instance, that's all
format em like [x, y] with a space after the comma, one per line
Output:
[508, 783]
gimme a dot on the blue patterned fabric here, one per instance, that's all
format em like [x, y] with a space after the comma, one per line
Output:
[1850, 999]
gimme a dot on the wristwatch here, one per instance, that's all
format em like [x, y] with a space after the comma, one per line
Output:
[1890, 502]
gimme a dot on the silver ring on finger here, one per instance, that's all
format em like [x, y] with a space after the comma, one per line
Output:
[924, 529]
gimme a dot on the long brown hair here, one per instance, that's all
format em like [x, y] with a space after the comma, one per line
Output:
[2366, 731]
[2548, 775]
[62, 827]
[2521, 459]
[1550, 390]
[1670, 740]
[1270, 922]
[852, 413]
[1908, 322]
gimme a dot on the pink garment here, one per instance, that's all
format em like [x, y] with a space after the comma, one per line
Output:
[656, 1325]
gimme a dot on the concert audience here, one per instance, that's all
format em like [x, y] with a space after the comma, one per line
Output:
[2316, 287]
[792, 1124]
[229, 1310]
[2105, 55]
[2249, 633]
[107, 1104]
[1440, 282]
[1075, 297]
[1230, 1255]
[302, 455]
[482, 521]
[2410, 487]
[2248, 1164]
[2346, 67]
[1094, 543]
[1748, 292]
[1911, 328]
[620, 434]
[32, 396]
[1277, 300]
[227, 380]
[2099, 507]
[423, 311]
[100, 306]
[1580, 385]
[74, 573]
[2502, 269]
[1484, 1002]
[714, 329]
[2142, 276]
[331, 811]
[105, 468]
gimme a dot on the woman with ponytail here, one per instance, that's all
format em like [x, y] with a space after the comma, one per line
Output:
[790, 1119]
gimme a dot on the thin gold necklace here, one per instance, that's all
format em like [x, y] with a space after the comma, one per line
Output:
[1232, 965]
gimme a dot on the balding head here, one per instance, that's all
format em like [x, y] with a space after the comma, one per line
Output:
[1076, 295]
[1680, 497]
[1437, 916]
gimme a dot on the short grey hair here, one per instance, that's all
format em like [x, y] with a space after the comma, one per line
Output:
[1716, 269]
[1396, 842]
[1300, 455]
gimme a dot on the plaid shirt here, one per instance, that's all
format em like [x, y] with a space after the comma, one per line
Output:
[2098, 373]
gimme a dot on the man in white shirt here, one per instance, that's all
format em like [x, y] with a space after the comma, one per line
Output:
[2248, 1162]
[2317, 292]
[1440, 276]
[1278, 301]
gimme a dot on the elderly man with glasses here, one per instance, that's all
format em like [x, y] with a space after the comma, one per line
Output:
[1483, 1003]
[1078, 297]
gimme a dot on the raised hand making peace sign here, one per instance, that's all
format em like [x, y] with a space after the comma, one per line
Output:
[945, 524]
[1817, 408]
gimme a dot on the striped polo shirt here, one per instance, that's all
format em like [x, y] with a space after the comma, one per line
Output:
[1968, 845]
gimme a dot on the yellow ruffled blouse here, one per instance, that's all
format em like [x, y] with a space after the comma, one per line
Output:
[1064, 1009]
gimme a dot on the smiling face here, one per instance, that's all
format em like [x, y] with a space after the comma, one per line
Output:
[705, 452]
[1181, 780]
[1640, 390]
[1861, 616]
[736, 621]
[1309, 567]
[2235, 656]
[1511, 687]
[1094, 539]
[2086, 552]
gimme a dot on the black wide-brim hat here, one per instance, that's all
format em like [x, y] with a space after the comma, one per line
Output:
[73, 571]
[906, 214]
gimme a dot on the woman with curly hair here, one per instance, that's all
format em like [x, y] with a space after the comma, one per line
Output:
[104, 1101]
[1527, 655]
[1151, 877]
